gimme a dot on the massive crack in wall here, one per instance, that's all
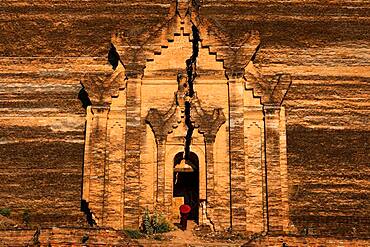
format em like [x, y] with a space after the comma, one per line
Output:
[191, 71]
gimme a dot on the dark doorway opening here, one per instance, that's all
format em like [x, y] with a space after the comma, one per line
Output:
[186, 185]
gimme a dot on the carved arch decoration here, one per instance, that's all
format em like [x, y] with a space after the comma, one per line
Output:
[101, 89]
[162, 123]
[136, 48]
[208, 123]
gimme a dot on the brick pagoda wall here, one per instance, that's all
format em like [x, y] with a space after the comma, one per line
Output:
[46, 48]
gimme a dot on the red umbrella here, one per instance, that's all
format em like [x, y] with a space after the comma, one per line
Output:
[185, 209]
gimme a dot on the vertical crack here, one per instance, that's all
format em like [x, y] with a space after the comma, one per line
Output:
[191, 71]
[191, 66]
[89, 215]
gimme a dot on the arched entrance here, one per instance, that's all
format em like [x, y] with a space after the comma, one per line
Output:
[186, 184]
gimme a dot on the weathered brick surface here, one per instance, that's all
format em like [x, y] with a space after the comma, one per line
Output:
[328, 194]
[65, 237]
[276, 241]
[323, 45]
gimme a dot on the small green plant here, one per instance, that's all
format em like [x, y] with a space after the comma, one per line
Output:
[5, 212]
[163, 225]
[147, 223]
[134, 234]
[154, 223]
[26, 216]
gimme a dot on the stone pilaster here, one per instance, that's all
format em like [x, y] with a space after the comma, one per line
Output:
[210, 174]
[132, 155]
[115, 169]
[98, 155]
[162, 124]
[237, 159]
[274, 183]
[255, 179]
[161, 172]
[210, 189]
[284, 172]
[87, 155]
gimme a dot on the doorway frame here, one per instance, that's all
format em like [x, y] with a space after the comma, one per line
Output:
[177, 158]
[198, 149]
